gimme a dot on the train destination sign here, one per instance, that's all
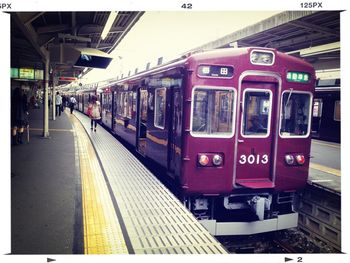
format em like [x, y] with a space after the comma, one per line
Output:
[215, 71]
[298, 77]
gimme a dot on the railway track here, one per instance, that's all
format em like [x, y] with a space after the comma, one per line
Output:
[281, 242]
[285, 247]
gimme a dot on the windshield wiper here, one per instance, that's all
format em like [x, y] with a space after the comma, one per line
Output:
[290, 94]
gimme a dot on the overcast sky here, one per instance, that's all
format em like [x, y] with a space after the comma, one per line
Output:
[168, 34]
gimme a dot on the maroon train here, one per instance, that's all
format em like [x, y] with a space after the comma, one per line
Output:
[231, 126]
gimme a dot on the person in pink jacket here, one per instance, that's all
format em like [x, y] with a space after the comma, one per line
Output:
[94, 112]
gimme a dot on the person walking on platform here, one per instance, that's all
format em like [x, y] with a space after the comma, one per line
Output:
[94, 112]
[19, 115]
[58, 103]
[64, 102]
[72, 102]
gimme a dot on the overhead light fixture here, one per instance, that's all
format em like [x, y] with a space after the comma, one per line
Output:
[318, 50]
[85, 69]
[108, 24]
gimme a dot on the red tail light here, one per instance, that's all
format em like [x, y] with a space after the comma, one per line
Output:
[300, 159]
[203, 160]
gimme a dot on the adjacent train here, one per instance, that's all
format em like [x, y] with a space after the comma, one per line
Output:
[326, 121]
[232, 127]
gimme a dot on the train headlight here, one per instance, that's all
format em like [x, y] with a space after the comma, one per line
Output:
[203, 160]
[254, 57]
[266, 58]
[300, 159]
[289, 159]
[217, 160]
[262, 57]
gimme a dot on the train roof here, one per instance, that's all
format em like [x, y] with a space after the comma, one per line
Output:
[205, 55]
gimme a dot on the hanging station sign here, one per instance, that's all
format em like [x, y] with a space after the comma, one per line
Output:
[27, 74]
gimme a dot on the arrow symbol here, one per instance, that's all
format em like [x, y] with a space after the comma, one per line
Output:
[50, 260]
[287, 259]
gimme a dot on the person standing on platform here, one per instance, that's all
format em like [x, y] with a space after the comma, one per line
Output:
[58, 103]
[50, 99]
[72, 102]
[94, 112]
[64, 102]
[19, 115]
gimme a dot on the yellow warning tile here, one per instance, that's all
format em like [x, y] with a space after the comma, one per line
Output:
[102, 233]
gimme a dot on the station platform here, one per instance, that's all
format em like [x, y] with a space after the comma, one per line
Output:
[325, 169]
[82, 192]
[46, 213]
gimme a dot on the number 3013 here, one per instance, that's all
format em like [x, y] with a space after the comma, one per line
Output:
[254, 159]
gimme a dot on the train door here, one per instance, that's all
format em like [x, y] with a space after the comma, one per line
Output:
[141, 120]
[174, 141]
[256, 134]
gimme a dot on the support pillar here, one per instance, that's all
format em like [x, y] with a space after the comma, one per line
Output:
[46, 100]
[54, 97]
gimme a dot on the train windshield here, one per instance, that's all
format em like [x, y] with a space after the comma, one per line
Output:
[257, 108]
[212, 112]
[295, 117]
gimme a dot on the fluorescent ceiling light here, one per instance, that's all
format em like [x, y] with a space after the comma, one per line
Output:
[318, 50]
[109, 24]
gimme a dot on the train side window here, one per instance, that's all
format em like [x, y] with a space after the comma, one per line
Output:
[295, 114]
[119, 103]
[160, 108]
[129, 104]
[125, 104]
[122, 103]
[143, 105]
[336, 115]
[115, 103]
[212, 112]
[317, 109]
[257, 111]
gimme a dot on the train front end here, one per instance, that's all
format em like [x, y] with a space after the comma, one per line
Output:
[246, 149]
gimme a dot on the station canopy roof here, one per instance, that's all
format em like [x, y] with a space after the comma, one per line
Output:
[34, 34]
[293, 32]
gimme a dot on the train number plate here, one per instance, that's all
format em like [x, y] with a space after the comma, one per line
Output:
[254, 159]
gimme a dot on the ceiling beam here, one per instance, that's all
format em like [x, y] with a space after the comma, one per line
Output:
[29, 32]
[264, 25]
[314, 27]
[296, 40]
[52, 29]
[74, 24]
[133, 20]
[29, 17]
[97, 29]
[45, 39]
[77, 38]
[59, 17]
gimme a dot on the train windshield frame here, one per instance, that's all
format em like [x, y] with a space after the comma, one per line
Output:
[213, 112]
[296, 114]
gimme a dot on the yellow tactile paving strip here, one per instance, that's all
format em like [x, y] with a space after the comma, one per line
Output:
[156, 222]
[102, 233]
[325, 169]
